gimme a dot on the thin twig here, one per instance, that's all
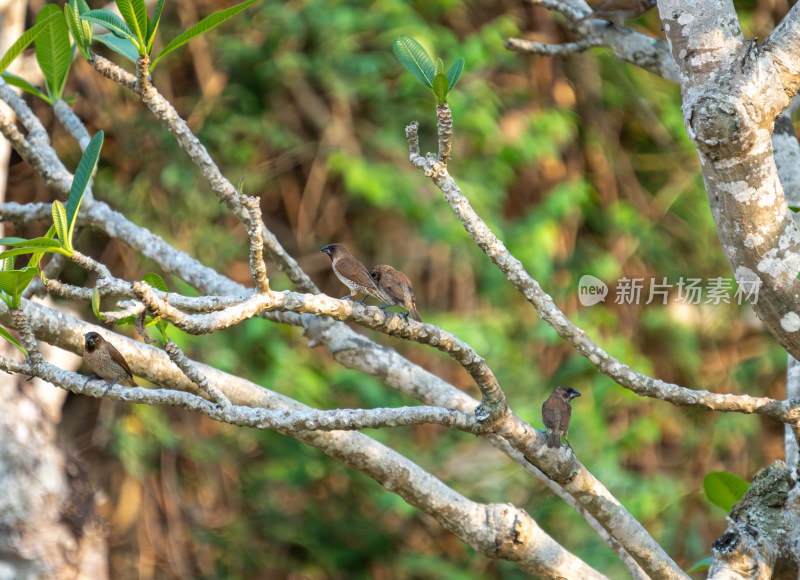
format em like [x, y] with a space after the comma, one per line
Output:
[222, 187]
[188, 368]
[257, 265]
[493, 405]
[445, 125]
[515, 272]
[530, 47]
[569, 12]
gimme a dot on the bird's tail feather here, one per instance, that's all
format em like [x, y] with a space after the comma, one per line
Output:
[553, 439]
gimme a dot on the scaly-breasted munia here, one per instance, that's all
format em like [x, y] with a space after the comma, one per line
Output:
[556, 412]
[104, 359]
[353, 274]
[398, 287]
[618, 11]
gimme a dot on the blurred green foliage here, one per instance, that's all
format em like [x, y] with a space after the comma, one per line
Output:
[580, 164]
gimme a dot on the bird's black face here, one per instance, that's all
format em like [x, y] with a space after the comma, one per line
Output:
[328, 250]
[92, 341]
[567, 393]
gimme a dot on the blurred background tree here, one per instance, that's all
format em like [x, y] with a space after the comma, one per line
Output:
[580, 164]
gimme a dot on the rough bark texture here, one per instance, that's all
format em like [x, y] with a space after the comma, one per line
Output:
[733, 91]
[762, 538]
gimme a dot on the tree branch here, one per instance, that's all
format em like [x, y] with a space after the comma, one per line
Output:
[761, 530]
[494, 402]
[257, 265]
[733, 91]
[194, 374]
[498, 531]
[647, 52]
[515, 272]
[530, 47]
[224, 189]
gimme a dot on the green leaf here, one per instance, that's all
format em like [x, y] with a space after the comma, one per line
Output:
[61, 224]
[151, 32]
[79, 8]
[27, 37]
[37, 256]
[455, 72]
[724, 489]
[21, 83]
[202, 27]
[19, 251]
[131, 17]
[8, 264]
[43, 242]
[77, 28]
[82, 176]
[127, 320]
[11, 241]
[416, 60]
[703, 564]
[439, 67]
[96, 304]
[123, 46]
[7, 335]
[14, 283]
[162, 326]
[155, 281]
[440, 89]
[111, 21]
[140, 10]
[53, 50]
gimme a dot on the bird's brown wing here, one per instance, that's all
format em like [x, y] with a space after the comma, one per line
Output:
[117, 358]
[551, 415]
[557, 414]
[351, 268]
[409, 295]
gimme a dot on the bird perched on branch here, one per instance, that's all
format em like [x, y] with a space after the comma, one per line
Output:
[618, 11]
[104, 359]
[353, 274]
[556, 412]
[398, 287]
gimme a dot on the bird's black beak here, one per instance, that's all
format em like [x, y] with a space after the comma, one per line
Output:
[326, 250]
[573, 394]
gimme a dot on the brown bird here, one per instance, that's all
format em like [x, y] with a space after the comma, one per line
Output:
[398, 287]
[353, 274]
[618, 11]
[103, 358]
[556, 412]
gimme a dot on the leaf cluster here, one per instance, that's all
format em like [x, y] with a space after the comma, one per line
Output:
[131, 36]
[13, 282]
[418, 62]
